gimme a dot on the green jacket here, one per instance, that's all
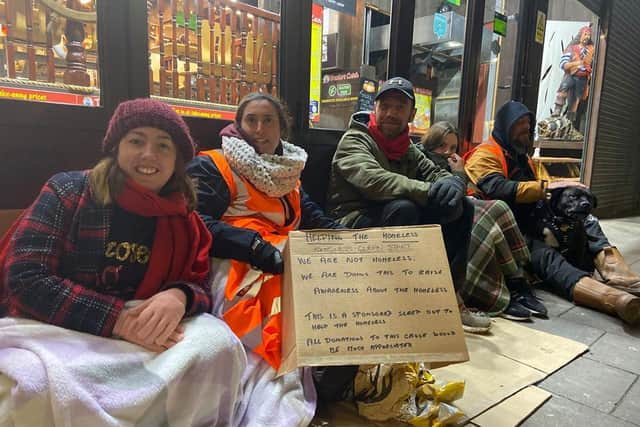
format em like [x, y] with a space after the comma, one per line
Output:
[362, 176]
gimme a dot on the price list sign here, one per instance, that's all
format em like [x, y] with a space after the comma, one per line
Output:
[378, 295]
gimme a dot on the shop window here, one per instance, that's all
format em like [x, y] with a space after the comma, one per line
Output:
[204, 56]
[568, 63]
[49, 51]
[436, 62]
[349, 58]
[497, 56]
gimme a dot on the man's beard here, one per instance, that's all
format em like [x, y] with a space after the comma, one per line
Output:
[391, 130]
[521, 147]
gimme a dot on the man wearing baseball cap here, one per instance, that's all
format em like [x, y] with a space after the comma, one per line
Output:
[379, 178]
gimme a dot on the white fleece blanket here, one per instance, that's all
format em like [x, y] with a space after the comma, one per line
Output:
[50, 376]
[287, 401]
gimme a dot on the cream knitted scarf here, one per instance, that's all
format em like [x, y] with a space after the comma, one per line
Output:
[272, 174]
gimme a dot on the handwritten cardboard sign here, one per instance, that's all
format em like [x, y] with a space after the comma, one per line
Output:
[378, 295]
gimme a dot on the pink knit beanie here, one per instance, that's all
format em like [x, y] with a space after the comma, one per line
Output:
[143, 112]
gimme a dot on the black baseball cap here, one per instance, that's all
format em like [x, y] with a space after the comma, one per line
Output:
[400, 84]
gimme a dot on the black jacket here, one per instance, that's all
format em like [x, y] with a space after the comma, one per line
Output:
[496, 185]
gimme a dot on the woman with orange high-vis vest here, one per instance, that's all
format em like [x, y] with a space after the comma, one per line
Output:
[250, 198]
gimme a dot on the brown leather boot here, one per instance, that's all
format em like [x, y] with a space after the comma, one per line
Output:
[615, 271]
[591, 293]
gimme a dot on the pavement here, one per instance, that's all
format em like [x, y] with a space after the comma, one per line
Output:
[602, 387]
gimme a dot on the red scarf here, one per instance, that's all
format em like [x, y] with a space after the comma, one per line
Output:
[180, 250]
[181, 243]
[393, 148]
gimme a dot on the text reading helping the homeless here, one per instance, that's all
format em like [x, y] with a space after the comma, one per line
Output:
[373, 291]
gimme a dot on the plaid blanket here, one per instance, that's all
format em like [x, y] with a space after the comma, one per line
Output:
[497, 250]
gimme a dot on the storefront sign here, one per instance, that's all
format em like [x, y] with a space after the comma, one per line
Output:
[204, 113]
[541, 22]
[344, 6]
[317, 54]
[500, 24]
[38, 95]
[340, 87]
[367, 94]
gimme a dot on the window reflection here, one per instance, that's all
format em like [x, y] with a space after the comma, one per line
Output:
[212, 51]
[349, 57]
[568, 63]
[49, 51]
[436, 63]
[495, 73]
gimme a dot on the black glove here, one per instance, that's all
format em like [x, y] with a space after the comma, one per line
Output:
[266, 257]
[447, 192]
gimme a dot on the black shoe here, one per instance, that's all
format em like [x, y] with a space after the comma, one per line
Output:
[531, 302]
[522, 293]
[516, 311]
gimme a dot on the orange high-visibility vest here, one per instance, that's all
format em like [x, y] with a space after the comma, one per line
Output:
[252, 298]
[493, 147]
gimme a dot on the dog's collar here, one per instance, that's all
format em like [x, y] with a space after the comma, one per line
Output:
[564, 231]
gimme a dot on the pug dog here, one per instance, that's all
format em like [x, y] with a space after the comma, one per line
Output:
[560, 223]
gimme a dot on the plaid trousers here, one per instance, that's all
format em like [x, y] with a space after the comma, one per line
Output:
[497, 251]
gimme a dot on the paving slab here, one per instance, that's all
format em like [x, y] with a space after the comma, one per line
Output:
[605, 378]
[590, 382]
[562, 412]
[555, 304]
[629, 408]
[568, 329]
[602, 387]
[621, 233]
[603, 321]
[618, 351]
[630, 219]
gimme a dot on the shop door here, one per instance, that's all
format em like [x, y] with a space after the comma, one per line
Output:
[436, 68]
[567, 70]
[356, 47]
[499, 62]
[348, 55]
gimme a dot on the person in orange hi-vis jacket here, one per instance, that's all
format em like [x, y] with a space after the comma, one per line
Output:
[250, 198]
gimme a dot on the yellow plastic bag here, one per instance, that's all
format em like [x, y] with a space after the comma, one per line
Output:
[406, 392]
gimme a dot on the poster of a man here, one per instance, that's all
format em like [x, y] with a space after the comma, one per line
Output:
[576, 63]
[566, 73]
